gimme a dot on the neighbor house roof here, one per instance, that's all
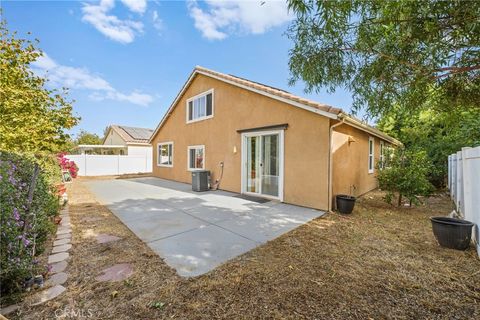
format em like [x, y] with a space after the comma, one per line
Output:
[132, 135]
[281, 95]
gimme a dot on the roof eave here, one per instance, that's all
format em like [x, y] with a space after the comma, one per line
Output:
[364, 127]
[331, 115]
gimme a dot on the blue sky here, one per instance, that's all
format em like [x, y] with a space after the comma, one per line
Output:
[125, 61]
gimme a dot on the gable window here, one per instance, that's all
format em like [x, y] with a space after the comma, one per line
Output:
[370, 155]
[196, 157]
[165, 154]
[200, 107]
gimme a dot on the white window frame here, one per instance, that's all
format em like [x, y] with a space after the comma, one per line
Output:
[158, 154]
[243, 169]
[372, 154]
[199, 96]
[200, 146]
[382, 154]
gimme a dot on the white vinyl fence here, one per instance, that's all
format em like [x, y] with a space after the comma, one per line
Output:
[104, 165]
[464, 186]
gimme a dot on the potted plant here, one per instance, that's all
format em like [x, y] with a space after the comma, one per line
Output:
[452, 233]
[345, 203]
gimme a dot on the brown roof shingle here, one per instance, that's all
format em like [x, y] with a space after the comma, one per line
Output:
[133, 134]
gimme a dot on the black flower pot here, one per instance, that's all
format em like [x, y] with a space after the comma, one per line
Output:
[452, 233]
[345, 203]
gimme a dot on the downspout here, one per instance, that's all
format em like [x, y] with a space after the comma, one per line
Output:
[330, 162]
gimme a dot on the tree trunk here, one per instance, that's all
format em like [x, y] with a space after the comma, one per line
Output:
[399, 200]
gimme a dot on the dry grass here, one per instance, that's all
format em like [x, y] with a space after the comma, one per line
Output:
[380, 262]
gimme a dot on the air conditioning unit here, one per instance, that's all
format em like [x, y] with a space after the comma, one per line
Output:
[200, 180]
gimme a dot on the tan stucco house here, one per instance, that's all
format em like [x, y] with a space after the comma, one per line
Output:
[262, 141]
[133, 140]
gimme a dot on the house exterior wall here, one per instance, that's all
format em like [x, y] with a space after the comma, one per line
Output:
[350, 161]
[114, 138]
[306, 146]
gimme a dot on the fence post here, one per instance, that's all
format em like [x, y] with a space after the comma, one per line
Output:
[85, 164]
[471, 189]
[467, 184]
[448, 172]
[454, 177]
[459, 197]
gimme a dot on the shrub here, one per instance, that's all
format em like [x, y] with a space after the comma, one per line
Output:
[405, 172]
[68, 165]
[24, 225]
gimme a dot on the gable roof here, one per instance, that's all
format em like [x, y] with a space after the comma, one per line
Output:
[277, 94]
[132, 135]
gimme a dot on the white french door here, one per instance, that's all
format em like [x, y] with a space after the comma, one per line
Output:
[262, 164]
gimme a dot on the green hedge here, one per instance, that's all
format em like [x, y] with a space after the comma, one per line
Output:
[24, 230]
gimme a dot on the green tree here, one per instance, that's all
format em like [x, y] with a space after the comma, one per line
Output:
[32, 117]
[85, 137]
[389, 52]
[439, 134]
[405, 172]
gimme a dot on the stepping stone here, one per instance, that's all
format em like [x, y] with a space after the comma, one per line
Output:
[57, 257]
[9, 309]
[58, 267]
[63, 231]
[56, 279]
[61, 241]
[117, 272]
[105, 238]
[65, 224]
[48, 294]
[64, 236]
[61, 248]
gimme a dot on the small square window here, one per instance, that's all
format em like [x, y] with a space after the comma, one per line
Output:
[196, 157]
[165, 154]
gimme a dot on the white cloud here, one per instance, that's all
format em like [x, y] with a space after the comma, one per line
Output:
[81, 78]
[220, 18]
[137, 6]
[123, 31]
[157, 22]
[136, 97]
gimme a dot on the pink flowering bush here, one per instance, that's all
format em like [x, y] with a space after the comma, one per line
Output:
[23, 232]
[66, 164]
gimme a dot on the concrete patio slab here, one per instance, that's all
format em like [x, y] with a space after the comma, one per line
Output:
[196, 232]
[212, 214]
[163, 225]
[201, 250]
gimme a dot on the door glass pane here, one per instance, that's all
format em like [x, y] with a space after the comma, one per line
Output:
[252, 164]
[270, 165]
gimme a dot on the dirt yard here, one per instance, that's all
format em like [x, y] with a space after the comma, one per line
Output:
[380, 262]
